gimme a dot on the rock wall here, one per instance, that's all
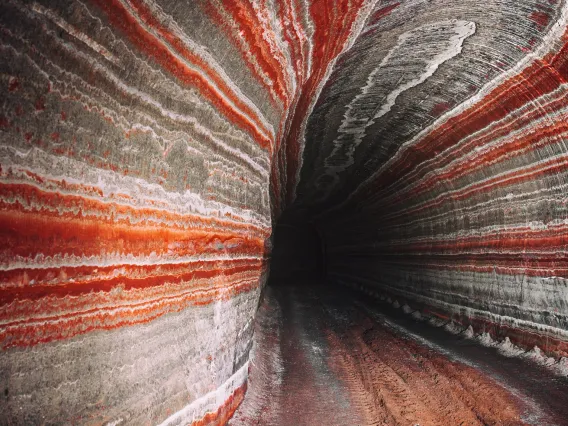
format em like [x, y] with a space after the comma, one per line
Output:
[439, 177]
[138, 140]
[146, 147]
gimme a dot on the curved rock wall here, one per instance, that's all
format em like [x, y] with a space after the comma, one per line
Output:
[137, 144]
[147, 146]
[440, 176]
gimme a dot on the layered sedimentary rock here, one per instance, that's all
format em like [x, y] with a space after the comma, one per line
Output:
[146, 147]
[138, 142]
[439, 177]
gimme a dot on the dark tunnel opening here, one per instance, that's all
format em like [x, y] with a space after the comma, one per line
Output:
[298, 255]
[321, 344]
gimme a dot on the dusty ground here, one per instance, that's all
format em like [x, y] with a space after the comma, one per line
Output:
[323, 357]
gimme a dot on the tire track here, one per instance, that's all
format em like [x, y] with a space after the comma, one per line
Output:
[340, 363]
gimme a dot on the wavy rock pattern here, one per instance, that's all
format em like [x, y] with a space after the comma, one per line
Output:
[138, 142]
[440, 177]
[147, 145]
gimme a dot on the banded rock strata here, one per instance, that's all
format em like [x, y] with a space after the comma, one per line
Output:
[138, 143]
[146, 148]
[440, 177]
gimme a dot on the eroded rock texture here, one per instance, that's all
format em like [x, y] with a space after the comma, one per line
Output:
[440, 174]
[147, 146]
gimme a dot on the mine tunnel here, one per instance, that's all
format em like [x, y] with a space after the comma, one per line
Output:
[286, 213]
[298, 255]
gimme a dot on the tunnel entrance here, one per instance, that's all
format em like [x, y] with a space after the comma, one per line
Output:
[298, 255]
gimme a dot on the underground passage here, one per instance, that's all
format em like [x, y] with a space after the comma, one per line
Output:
[284, 212]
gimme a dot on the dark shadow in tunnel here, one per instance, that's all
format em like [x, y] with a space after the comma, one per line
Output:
[298, 255]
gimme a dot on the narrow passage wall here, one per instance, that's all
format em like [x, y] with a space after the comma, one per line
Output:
[147, 147]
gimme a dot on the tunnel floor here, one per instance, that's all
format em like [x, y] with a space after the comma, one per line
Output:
[326, 356]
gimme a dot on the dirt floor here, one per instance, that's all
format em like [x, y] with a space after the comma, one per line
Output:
[327, 356]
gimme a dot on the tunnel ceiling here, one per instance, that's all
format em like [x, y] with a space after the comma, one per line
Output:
[147, 147]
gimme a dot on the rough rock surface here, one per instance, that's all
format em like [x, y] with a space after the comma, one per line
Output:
[439, 175]
[332, 356]
[146, 146]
